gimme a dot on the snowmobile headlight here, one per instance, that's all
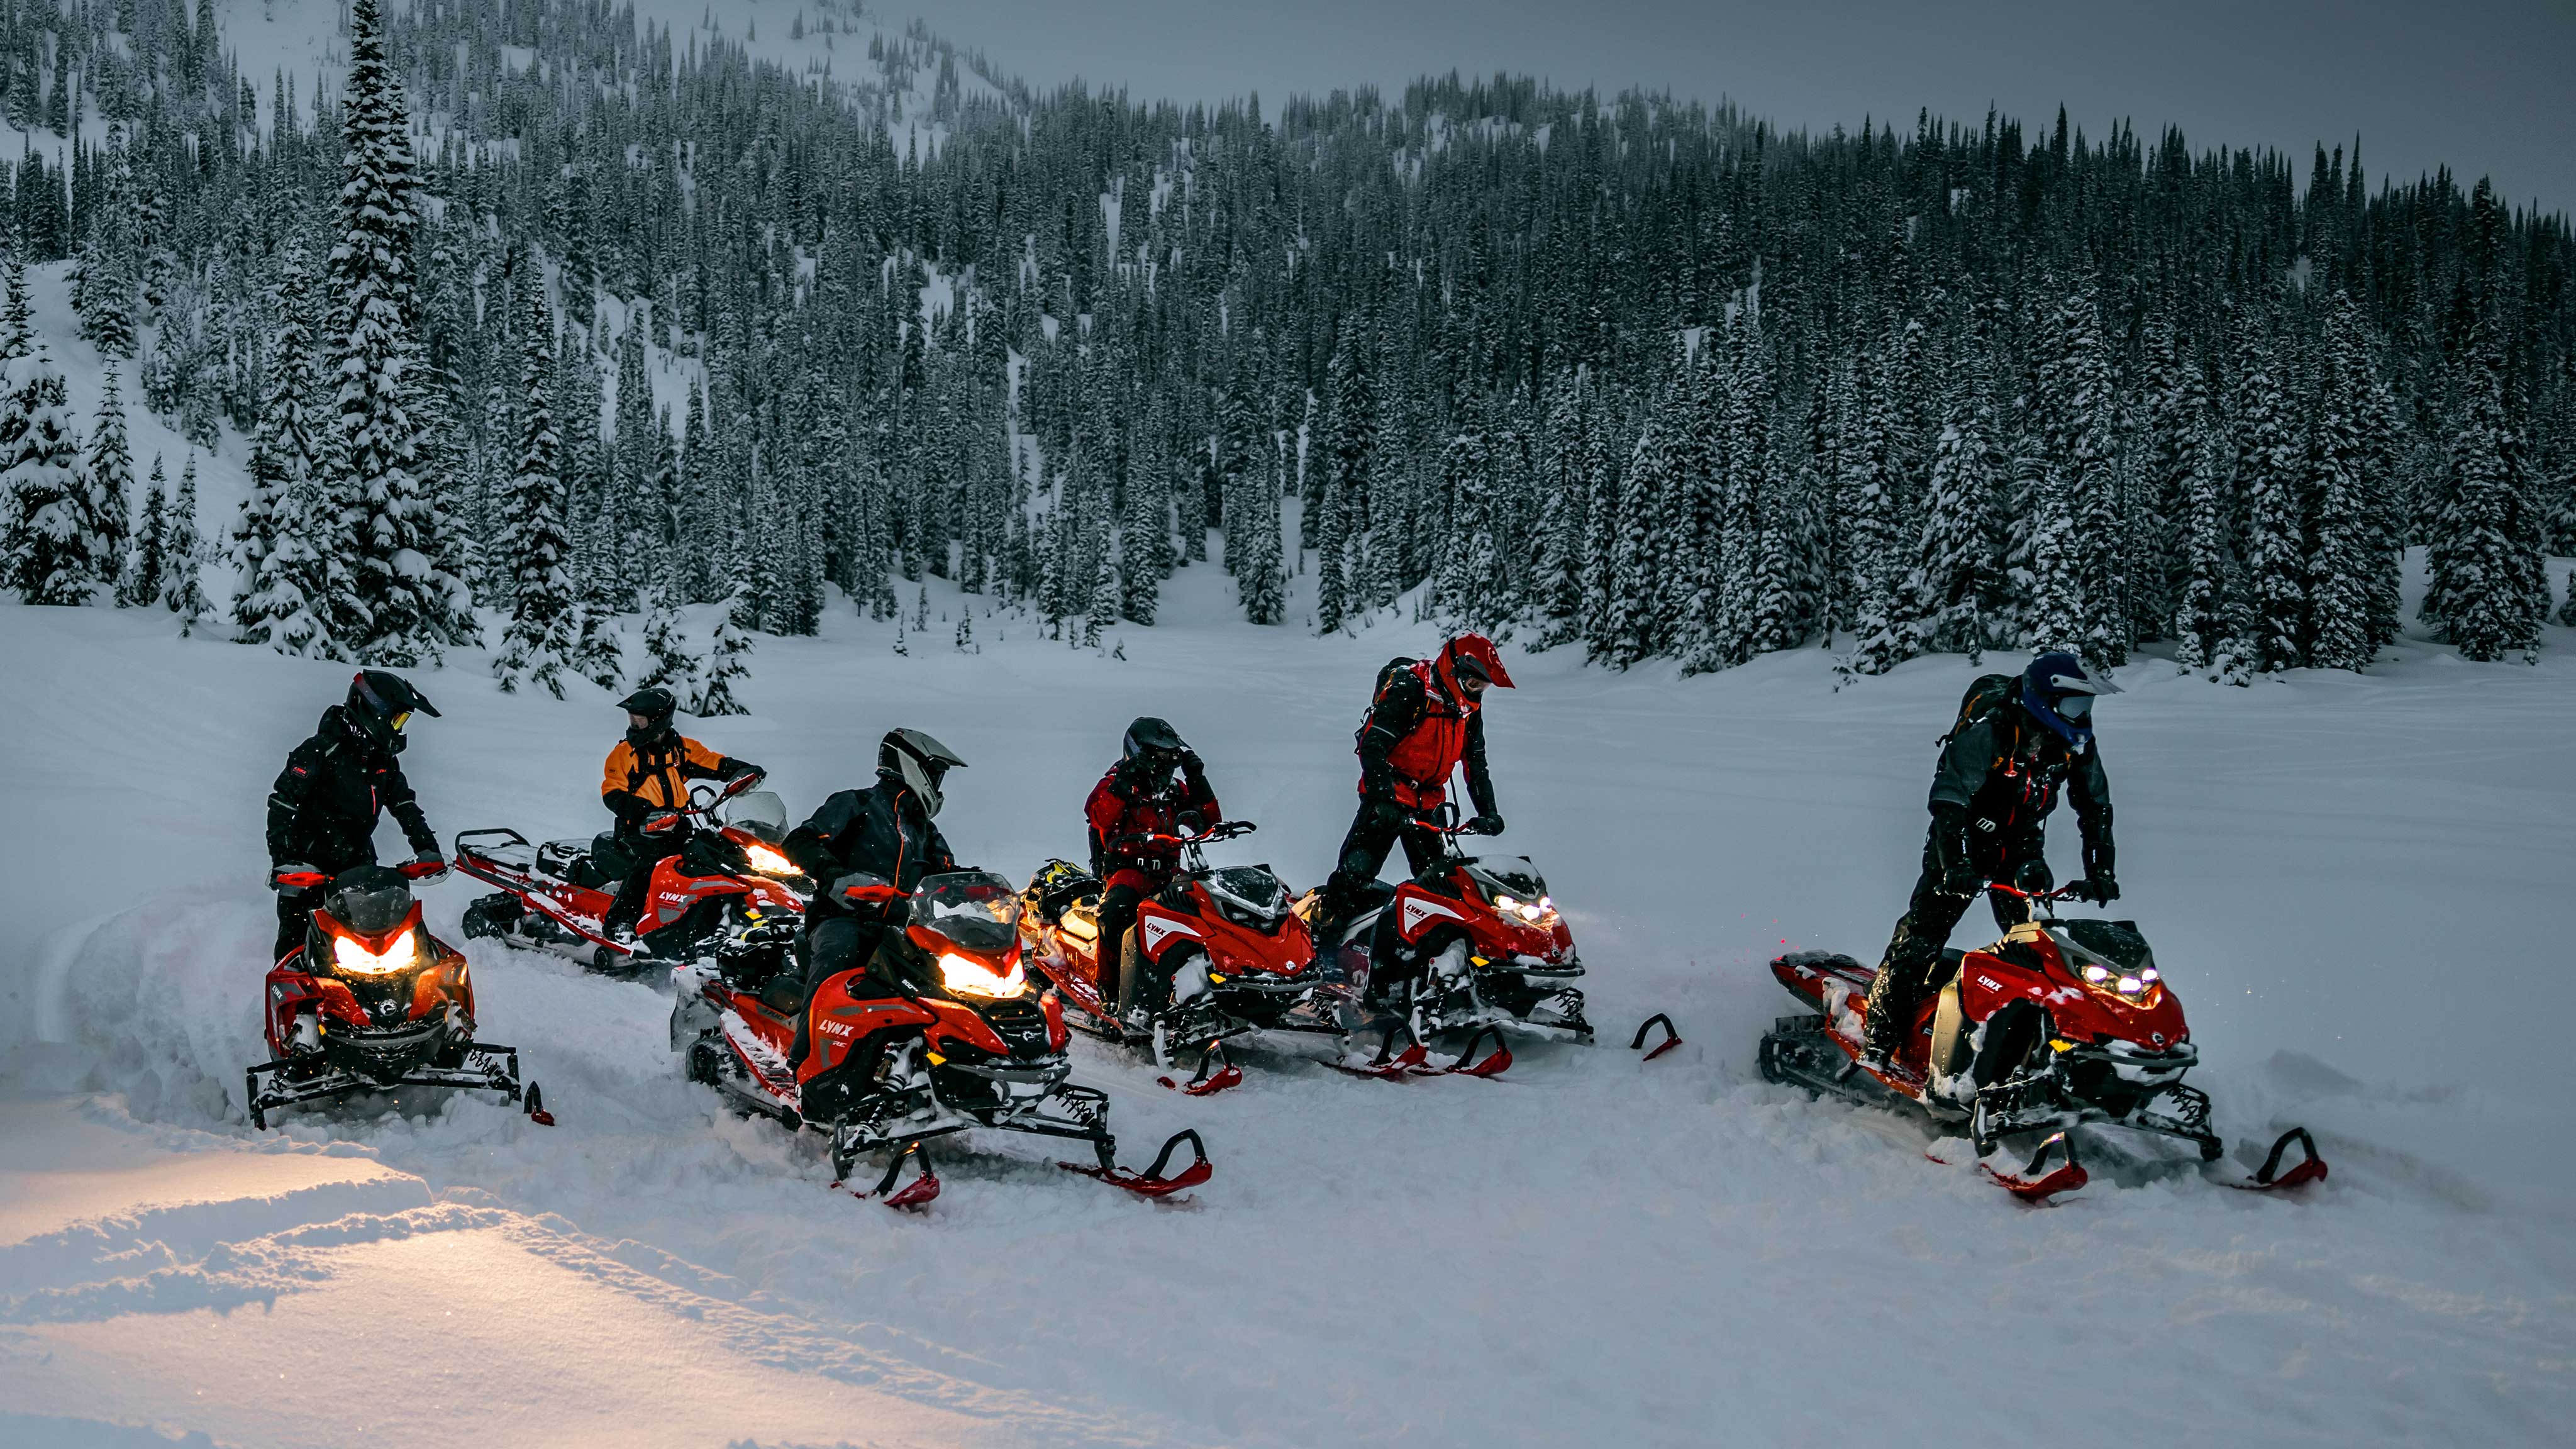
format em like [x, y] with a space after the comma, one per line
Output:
[2131, 986]
[2148, 975]
[1537, 910]
[768, 861]
[973, 977]
[2096, 974]
[351, 954]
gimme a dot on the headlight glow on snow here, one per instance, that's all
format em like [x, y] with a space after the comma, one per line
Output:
[768, 861]
[965, 973]
[350, 954]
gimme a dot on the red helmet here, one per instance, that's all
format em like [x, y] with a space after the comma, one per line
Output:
[1472, 654]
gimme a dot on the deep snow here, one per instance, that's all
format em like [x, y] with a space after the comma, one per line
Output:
[2357, 885]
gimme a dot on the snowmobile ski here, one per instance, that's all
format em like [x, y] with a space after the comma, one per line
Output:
[1215, 1073]
[2034, 1186]
[1672, 1038]
[1392, 1063]
[2269, 1178]
[913, 1195]
[1151, 1182]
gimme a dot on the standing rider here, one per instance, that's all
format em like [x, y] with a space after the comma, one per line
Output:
[884, 831]
[1991, 795]
[1158, 787]
[645, 785]
[1428, 718]
[323, 809]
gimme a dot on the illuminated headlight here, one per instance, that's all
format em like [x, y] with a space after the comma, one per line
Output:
[2096, 975]
[973, 977]
[768, 861]
[1538, 910]
[2125, 984]
[350, 954]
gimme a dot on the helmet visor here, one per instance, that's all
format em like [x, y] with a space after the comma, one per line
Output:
[2074, 706]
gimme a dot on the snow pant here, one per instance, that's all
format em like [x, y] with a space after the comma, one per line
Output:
[638, 857]
[1117, 917]
[295, 908]
[1376, 829]
[1911, 965]
[832, 946]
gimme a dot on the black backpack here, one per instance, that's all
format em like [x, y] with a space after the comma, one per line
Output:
[1385, 680]
[1986, 694]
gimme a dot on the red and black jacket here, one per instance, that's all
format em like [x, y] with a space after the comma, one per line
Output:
[1130, 801]
[1419, 733]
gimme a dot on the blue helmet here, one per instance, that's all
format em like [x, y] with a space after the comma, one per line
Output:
[2059, 694]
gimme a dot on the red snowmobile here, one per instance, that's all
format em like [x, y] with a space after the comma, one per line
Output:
[943, 1032]
[373, 1001]
[727, 890]
[2062, 1023]
[1472, 944]
[1220, 947]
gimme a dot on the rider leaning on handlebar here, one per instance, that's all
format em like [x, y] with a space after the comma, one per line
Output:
[1427, 720]
[322, 811]
[645, 784]
[1158, 788]
[1991, 796]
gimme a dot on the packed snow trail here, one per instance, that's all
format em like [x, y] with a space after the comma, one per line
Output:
[2355, 884]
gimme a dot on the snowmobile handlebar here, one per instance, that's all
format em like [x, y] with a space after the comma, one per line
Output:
[1222, 830]
[2074, 890]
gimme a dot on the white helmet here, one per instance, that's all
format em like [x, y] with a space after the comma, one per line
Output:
[920, 762]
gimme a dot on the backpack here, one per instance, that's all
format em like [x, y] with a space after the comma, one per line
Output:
[1385, 680]
[1986, 694]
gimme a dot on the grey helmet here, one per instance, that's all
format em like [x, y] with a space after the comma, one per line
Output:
[920, 762]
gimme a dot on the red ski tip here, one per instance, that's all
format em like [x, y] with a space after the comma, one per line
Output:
[1209, 1085]
[2310, 1168]
[1496, 1062]
[2030, 1185]
[547, 1119]
[915, 1194]
[1672, 1038]
[1151, 1182]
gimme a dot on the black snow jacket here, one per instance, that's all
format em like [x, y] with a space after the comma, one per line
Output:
[882, 830]
[2003, 773]
[323, 809]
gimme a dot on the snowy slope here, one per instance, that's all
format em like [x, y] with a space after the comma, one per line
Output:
[2356, 884]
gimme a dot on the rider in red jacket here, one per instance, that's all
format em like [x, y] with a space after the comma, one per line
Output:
[1427, 721]
[1141, 797]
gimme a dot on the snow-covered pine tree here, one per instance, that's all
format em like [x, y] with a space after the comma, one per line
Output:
[1955, 553]
[724, 660]
[111, 482]
[182, 583]
[1557, 586]
[412, 606]
[147, 562]
[669, 662]
[1602, 534]
[1261, 574]
[538, 643]
[1882, 633]
[1633, 632]
[17, 317]
[2084, 446]
[2269, 472]
[49, 542]
[2349, 563]
[2204, 608]
[2479, 564]
[1143, 540]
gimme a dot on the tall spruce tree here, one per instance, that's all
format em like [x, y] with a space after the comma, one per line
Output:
[538, 644]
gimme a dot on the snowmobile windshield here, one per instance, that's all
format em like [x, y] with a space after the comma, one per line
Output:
[2117, 943]
[1507, 875]
[977, 909]
[1248, 893]
[369, 902]
[761, 812]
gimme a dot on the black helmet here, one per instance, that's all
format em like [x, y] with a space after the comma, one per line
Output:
[2059, 694]
[380, 704]
[655, 704]
[1153, 741]
[919, 761]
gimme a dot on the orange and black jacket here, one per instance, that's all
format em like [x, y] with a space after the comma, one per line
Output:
[639, 781]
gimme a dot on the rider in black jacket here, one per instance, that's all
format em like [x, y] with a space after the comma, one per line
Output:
[1992, 793]
[323, 809]
[884, 830]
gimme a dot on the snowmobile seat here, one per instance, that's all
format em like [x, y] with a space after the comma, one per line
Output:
[564, 859]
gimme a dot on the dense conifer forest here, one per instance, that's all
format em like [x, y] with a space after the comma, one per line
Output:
[1650, 380]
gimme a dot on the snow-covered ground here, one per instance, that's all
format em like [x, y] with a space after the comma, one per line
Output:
[2358, 885]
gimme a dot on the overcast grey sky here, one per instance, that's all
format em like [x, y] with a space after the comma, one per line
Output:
[2487, 86]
